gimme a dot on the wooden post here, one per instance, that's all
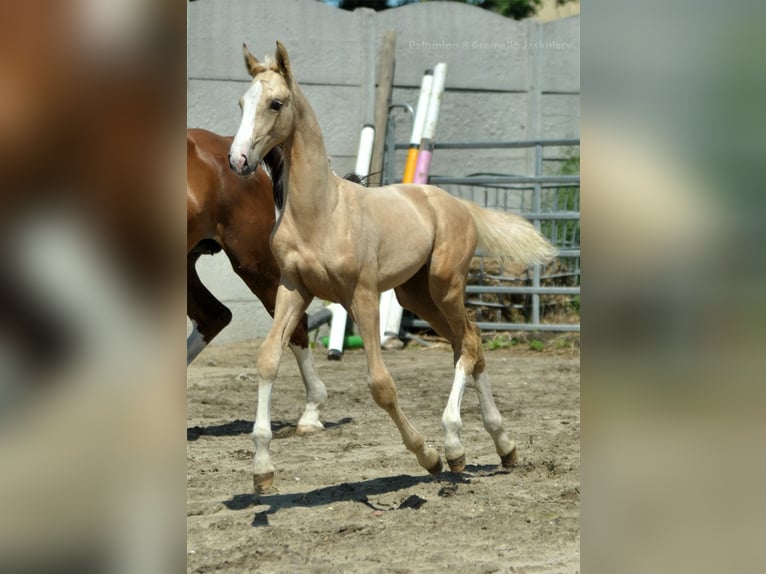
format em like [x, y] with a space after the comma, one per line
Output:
[383, 89]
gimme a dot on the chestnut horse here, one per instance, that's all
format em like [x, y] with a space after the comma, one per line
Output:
[236, 214]
[340, 241]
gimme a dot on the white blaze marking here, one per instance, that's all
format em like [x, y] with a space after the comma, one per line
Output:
[244, 139]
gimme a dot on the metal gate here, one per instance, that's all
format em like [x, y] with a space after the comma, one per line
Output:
[535, 299]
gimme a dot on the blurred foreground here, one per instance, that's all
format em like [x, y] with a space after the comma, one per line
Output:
[92, 113]
[673, 282]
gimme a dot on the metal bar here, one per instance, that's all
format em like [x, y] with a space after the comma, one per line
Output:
[545, 216]
[488, 326]
[498, 289]
[389, 156]
[563, 180]
[537, 205]
[500, 145]
[563, 252]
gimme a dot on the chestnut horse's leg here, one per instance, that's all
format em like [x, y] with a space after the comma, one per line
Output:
[207, 313]
[291, 304]
[365, 312]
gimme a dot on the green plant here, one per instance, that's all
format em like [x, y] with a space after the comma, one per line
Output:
[564, 232]
[500, 341]
[575, 303]
[536, 345]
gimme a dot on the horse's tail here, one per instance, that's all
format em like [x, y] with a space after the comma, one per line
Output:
[509, 237]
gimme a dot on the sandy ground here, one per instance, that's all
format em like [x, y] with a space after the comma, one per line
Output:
[352, 499]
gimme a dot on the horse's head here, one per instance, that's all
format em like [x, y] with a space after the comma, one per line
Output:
[267, 111]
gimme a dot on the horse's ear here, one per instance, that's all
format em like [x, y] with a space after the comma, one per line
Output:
[254, 67]
[283, 61]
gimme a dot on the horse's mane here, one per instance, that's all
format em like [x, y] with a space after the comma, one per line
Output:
[274, 162]
[365, 181]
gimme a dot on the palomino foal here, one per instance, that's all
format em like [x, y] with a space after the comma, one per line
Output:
[340, 241]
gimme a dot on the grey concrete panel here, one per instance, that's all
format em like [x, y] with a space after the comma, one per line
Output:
[212, 105]
[560, 55]
[482, 49]
[324, 43]
[560, 115]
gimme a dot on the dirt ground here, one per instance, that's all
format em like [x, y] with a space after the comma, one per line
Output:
[352, 499]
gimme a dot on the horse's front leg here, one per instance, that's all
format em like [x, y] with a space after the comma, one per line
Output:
[290, 305]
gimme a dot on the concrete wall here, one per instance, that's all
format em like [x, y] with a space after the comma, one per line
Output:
[506, 80]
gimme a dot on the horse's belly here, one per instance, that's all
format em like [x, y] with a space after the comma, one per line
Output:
[396, 267]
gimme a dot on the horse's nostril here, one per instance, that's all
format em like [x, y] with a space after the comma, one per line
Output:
[244, 158]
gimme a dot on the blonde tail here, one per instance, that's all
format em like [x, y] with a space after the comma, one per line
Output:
[509, 237]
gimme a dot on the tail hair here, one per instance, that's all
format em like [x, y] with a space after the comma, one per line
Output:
[509, 237]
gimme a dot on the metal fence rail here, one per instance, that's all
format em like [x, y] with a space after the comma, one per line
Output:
[534, 299]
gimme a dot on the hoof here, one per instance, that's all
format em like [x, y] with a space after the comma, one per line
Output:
[510, 460]
[436, 468]
[308, 429]
[262, 483]
[334, 355]
[458, 465]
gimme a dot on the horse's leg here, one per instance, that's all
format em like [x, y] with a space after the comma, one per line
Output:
[290, 306]
[493, 421]
[414, 296]
[447, 288]
[316, 393]
[264, 284]
[364, 310]
[209, 316]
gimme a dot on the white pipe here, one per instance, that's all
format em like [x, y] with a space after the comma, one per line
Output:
[422, 109]
[437, 89]
[364, 154]
[337, 331]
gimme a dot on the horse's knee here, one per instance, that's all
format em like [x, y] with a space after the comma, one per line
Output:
[267, 363]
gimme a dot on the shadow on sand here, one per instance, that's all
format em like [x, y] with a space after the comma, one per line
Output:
[281, 429]
[359, 492]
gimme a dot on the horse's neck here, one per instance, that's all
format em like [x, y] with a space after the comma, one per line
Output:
[311, 186]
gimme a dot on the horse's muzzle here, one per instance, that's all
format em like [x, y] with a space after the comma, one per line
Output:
[240, 165]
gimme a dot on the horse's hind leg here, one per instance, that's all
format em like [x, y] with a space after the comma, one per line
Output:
[365, 312]
[446, 313]
[209, 316]
[414, 296]
[493, 421]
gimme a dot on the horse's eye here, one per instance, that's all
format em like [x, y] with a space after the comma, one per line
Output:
[275, 105]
